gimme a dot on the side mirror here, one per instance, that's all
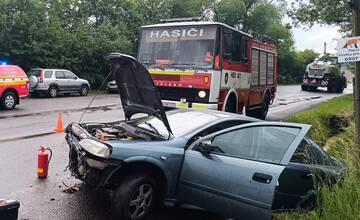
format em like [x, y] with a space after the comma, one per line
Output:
[206, 148]
[136, 45]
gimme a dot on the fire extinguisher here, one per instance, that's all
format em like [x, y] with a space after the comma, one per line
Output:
[43, 161]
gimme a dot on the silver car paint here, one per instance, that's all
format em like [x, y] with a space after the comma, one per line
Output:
[64, 85]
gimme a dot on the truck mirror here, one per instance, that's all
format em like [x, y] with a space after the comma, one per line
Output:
[136, 45]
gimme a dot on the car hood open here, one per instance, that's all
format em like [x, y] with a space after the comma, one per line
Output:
[137, 90]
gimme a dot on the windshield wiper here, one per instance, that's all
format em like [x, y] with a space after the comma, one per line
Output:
[191, 65]
[157, 66]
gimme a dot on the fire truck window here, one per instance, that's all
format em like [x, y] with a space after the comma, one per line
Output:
[187, 46]
[163, 52]
[263, 64]
[245, 51]
[227, 45]
[236, 50]
[255, 67]
[270, 77]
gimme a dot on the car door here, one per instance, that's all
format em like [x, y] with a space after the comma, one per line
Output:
[238, 178]
[60, 80]
[72, 84]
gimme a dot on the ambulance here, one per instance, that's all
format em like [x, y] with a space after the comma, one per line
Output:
[14, 84]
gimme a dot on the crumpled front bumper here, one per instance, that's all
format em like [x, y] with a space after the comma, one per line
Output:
[89, 168]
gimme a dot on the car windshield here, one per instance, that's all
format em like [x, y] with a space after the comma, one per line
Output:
[176, 120]
[175, 47]
[328, 59]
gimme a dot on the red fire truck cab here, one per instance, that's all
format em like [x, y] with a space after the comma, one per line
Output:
[209, 65]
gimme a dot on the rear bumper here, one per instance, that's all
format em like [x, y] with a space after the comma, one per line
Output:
[313, 82]
[177, 104]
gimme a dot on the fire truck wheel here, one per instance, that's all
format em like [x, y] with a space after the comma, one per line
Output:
[231, 104]
[8, 101]
[260, 112]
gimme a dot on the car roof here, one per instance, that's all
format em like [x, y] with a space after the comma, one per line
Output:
[11, 70]
[49, 69]
[218, 114]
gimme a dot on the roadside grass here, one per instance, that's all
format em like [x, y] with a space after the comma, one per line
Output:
[319, 117]
[342, 201]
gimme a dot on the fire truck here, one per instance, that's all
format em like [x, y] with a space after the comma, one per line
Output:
[210, 65]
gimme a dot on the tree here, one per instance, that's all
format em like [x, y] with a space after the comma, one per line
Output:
[329, 12]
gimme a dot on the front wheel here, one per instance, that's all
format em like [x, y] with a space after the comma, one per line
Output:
[8, 101]
[134, 198]
[84, 91]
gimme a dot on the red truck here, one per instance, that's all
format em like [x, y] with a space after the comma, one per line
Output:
[209, 65]
[14, 84]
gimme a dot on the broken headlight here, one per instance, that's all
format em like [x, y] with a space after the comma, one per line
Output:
[95, 148]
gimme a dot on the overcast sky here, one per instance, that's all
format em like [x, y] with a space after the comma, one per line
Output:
[315, 37]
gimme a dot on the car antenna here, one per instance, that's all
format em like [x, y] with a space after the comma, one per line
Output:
[93, 98]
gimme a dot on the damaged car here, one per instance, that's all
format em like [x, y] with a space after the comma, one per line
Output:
[225, 163]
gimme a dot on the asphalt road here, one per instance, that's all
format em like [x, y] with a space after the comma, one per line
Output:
[23, 130]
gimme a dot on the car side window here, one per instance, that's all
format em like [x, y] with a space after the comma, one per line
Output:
[59, 75]
[261, 143]
[216, 128]
[48, 74]
[69, 75]
[309, 152]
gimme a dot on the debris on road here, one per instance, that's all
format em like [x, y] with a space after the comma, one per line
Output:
[70, 189]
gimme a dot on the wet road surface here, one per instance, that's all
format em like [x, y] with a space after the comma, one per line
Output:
[44, 198]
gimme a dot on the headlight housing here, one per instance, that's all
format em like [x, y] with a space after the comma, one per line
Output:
[95, 148]
[202, 94]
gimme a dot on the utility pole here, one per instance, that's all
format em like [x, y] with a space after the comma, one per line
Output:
[355, 4]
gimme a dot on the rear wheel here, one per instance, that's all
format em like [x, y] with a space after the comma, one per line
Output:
[53, 91]
[331, 87]
[304, 87]
[8, 101]
[134, 198]
[260, 112]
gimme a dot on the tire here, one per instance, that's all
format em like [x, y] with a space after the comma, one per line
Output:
[304, 87]
[9, 100]
[53, 91]
[340, 89]
[313, 89]
[332, 86]
[231, 104]
[129, 203]
[261, 112]
[84, 91]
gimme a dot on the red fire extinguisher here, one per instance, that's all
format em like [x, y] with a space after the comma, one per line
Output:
[43, 161]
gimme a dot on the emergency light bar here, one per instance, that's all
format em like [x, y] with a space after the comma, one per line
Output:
[168, 20]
